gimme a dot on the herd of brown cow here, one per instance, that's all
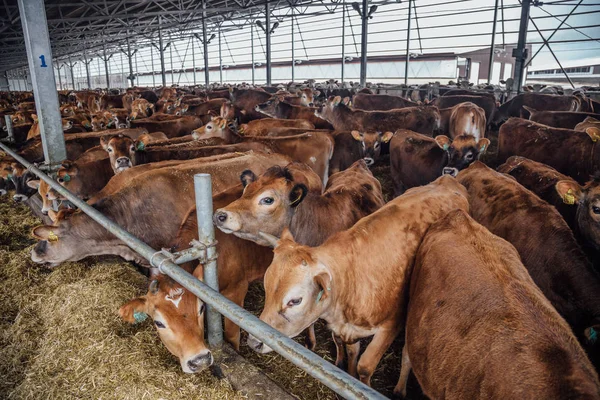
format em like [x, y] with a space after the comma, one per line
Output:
[490, 271]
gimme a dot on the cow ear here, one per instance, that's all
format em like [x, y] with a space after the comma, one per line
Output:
[323, 282]
[297, 194]
[34, 184]
[593, 133]
[34, 117]
[569, 191]
[346, 101]
[43, 232]
[336, 101]
[386, 137]
[483, 144]
[357, 136]
[53, 215]
[104, 141]
[134, 310]
[286, 234]
[247, 177]
[443, 141]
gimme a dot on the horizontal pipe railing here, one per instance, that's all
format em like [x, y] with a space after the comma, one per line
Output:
[327, 373]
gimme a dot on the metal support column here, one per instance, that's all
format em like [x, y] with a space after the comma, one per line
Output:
[252, 51]
[9, 127]
[363, 44]
[268, 41]
[193, 61]
[161, 50]
[60, 86]
[220, 57]
[493, 45]
[71, 65]
[87, 68]
[106, 70]
[206, 234]
[408, 43]
[293, 53]
[343, 38]
[171, 60]
[4, 86]
[152, 66]
[39, 57]
[520, 53]
[205, 44]
[130, 55]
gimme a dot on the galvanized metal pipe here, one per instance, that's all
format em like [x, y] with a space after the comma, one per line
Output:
[333, 377]
[71, 65]
[106, 70]
[220, 58]
[161, 50]
[206, 235]
[363, 43]
[493, 45]
[9, 127]
[252, 50]
[193, 59]
[59, 78]
[152, 66]
[408, 43]
[520, 53]
[130, 59]
[293, 52]
[87, 70]
[343, 38]
[39, 57]
[268, 40]
[205, 45]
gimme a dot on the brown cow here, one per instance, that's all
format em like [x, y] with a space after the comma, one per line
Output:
[178, 126]
[380, 102]
[277, 109]
[545, 243]
[261, 127]
[34, 131]
[330, 282]
[478, 326]
[467, 119]
[314, 149]
[559, 119]
[537, 101]
[44, 190]
[576, 154]
[305, 97]
[417, 159]
[486, 103]
[419, 119]
[167, 198]
[352, 146]
[121, 151]
[141, 108]
[248, 99]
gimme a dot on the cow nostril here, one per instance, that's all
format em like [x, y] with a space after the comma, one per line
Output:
[221, 216]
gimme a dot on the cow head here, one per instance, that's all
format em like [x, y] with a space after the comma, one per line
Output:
[100, 122]
[298, 289]
[68, 177]
[370, 144]
[20, 176]
[587, 200]
[463, 151]
[268, 108]
[21, 117]
[121, 151]
[217, 127]
[44, 190]
[141, 108]
[68, 110]
[67, 124]
[330, 109]
[178, 316]
[307, 97]
[267, 205]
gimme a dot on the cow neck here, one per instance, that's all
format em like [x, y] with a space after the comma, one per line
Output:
[592, 153]
[309, 220]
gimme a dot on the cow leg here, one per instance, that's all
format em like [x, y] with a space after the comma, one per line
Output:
[340, 351]
[405, 368]
[310, 341]
[236, 294]
[353, 349]
[373, 353]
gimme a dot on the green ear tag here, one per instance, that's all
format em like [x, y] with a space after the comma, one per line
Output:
[482, 149]
[67, 178]
[141, 146]
[139, 316]
[593, 336]
[446, 146]
[9, 176]
[319, 296]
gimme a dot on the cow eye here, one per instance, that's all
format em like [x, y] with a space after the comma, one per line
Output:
[109, 150]
[376, 144]
[208, 127]
[469, 156]
[60, 180]
[132, 148]
[159, 324]
[267, 201]
[596, 210]
[294, 302]
[201, 311]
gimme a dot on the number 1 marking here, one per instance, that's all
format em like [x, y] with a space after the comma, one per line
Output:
[43, 58]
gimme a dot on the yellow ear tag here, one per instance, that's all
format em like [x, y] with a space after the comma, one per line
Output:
[595, 137]
[569, 198]
[52, 237]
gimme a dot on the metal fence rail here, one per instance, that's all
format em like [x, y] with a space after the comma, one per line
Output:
[331, 376]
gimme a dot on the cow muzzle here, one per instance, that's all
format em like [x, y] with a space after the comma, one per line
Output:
[450, 171]
[19, 198]
[122, 163]
[369, 161]
[198, 363]
[257, 345]
[226, 221]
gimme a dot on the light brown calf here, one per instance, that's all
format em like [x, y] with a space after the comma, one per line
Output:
[467, 119]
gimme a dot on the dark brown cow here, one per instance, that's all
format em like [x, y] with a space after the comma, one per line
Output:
[419, 119]
[172, 128]
[576, 154]
[417, 159]
[277, 109]
[558, 119]
[330, 282]
[486, 103]
[161, 197]
[380, 102]
[352, 146]
[478, 326]
[545, 243]
[248, 99]
[537, 101]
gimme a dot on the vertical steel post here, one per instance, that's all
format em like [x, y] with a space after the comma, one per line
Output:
[293, 53]
[130, 59]
[520, 53]
[408, 43]
[161, 49]
[71, 71]
[60, 86]
[152, 66]
[87, 69]
[206, 235]
[220, 58]
[9, 127]
[493, 45]
[4, 86]
[268, 41]
[252, 50]
[106, 70]
[193, 59]
[39, 57]
[171, 60]
[343, 38]
[205, 44]
[363, 43]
